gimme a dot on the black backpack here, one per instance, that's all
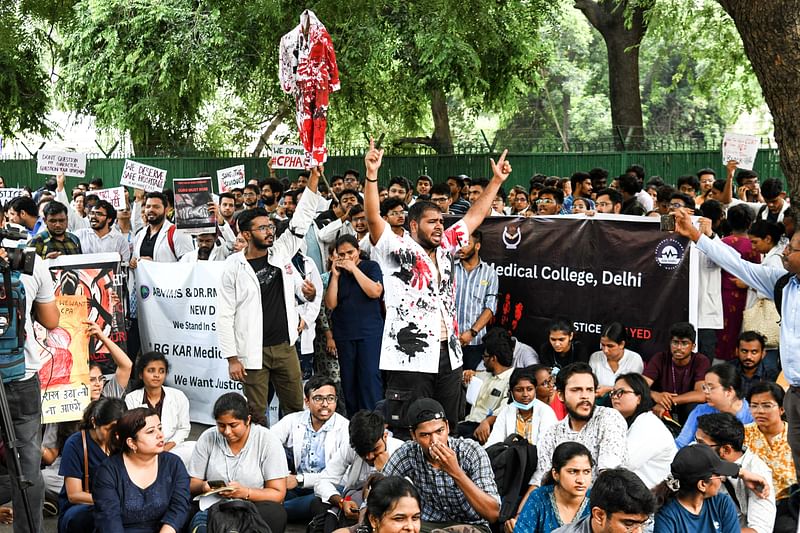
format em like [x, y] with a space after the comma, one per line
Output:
[513, 463]
[778, 292]
[235, 516]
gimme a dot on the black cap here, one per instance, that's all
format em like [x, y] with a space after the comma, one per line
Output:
[424, 410]
[700, 462]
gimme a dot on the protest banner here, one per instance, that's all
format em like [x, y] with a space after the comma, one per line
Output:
[96, 278]
[591, 271]
[192, 197]
[64, 352]
[139, 176]
[115, 196]
[70, 163]
[230, 178]
[741, 148]
[290, 157]
[8, 193]
[177, 317]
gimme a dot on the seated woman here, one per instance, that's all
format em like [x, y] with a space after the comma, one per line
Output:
[563, 497]
[561, 348]
[171, 405]
[613, 359]
[651, 447]
[242, 455]
[722, 388]
[141, 489]
[524, 414]
[393, 505]
[82, 455]
[546, 390]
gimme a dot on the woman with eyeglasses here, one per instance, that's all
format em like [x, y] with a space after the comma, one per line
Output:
[651, 447]
[243, 456]
[723, 392]
[546, 390]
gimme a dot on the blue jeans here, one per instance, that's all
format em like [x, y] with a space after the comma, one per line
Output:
[25, 406]
[298, 505]
[77, 519]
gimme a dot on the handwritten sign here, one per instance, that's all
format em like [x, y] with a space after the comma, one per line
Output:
[70, 163]
[139, 176]
[7, 194]
[288, 157]
[741, 148]
[230, 178]
[115, 196]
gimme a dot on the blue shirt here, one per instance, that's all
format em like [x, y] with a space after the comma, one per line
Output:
[718, 515]
[763, 279]
[476, 290]
[72, 464]
[566, 209]
[357, 316]
[540, 514]
[312, 455]
[690, 427]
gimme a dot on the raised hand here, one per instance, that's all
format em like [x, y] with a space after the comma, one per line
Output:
[502, 168]
[374, 157]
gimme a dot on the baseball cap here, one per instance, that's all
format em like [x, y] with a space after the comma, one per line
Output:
[424, 410]
[700, 462]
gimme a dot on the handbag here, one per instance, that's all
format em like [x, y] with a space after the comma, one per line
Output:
[86, 487]
[763, 317]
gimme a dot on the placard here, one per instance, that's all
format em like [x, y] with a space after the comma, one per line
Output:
[145, 177]
[192, 197]
[231, 178]
[70, 163]
[741, 148]
[115, 196]
[287, 156]
[7, 194]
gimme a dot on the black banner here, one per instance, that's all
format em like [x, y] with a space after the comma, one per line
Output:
[591, 271]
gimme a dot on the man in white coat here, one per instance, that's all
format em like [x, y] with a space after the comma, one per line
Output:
[257, 320]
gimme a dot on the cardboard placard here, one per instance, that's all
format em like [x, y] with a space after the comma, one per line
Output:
[139, 176]
[741, 148]
[192, 197]
[70, 163]
[230, 178]
[290, 157]
[7, 194]
[115, 196]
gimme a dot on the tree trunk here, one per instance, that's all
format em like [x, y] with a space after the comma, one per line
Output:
[770, 32]
[441, 140]
[284, 110]
[622, 44]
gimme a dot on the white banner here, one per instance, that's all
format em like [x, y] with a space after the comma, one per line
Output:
[177, 317]
[115, 196]
[741, 148]
[230, 178]
[70, 163]
[139, 176]
[7, 194]
[288, 157]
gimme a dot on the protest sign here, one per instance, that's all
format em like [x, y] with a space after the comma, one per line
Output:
[8, 193]
[592, 271]
[288, 157]
[230, 178]
[64, 352]
[70, 163]
[96, 278]
[192, 197]
[139, 176]
[741, 148]
[177, 317]
[115, 196]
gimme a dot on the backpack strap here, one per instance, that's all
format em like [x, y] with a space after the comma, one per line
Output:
[85, 463]
[761, 212]
[171, 239]
[778, 291]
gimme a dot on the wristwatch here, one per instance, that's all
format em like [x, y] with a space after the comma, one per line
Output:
[473, 332]
[300, 478]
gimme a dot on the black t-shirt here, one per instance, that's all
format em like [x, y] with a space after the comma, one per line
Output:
[576, 354]
[148, 247]
[273, 307]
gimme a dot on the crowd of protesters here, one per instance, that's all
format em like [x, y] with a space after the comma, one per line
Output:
[369, 320]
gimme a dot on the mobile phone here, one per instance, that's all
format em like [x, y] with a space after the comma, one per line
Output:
[216, 483]
[667, 222]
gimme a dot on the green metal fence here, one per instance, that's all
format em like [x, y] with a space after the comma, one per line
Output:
[668, 164]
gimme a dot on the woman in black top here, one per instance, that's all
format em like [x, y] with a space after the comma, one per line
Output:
[561, 348]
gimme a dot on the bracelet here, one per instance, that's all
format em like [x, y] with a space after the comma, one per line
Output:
[248, 494]
[371, 181]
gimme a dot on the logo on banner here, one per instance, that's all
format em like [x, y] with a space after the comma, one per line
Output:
[144, 290]
[669, 254]
[512, 236]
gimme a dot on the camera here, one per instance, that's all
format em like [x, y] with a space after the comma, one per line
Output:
[19, 259]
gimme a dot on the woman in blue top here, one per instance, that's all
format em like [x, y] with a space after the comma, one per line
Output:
[142, 489]
[689, 499]
[723, 390]
[75, 502]
[563, 497]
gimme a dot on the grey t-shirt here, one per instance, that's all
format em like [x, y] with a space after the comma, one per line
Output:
[261, 459]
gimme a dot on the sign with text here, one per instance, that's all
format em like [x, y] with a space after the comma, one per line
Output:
[177, 317]
[192, 197]
[7, 194]
[139, 176]
[70, 163]
[741, 148]
[230, 178]
[290, 157]
[115, 196]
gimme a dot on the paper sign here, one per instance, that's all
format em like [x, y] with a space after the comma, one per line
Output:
[192, 197]
[288, 157]
[473, 389]
[230, 178]
[139, 176]
[114, 196]
[741, 148]
[7, 194]
[70, 163]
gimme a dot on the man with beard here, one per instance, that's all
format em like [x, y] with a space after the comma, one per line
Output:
[476, 299]
[55, 240]
[207, 249]
[454, 477]
[158, 240]
[582, 187]
[257, 318]
[226, 219]
[271, 191]
[101, 236]
[602, 430]
[750, 352]
[313, 437]
[250, 196]
[353, 223]
[420, 351]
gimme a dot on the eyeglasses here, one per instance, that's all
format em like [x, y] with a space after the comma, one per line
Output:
[619, 393]
[545, 201]
[546, 383]
[708, 388]
[270, 227]
[641, 526]
[99, 379]
[397, 213]
[249, 194]
[721, 478]
[603, 204]
[676, 205]
[790, 250]
[763, 406]
[324, 399]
